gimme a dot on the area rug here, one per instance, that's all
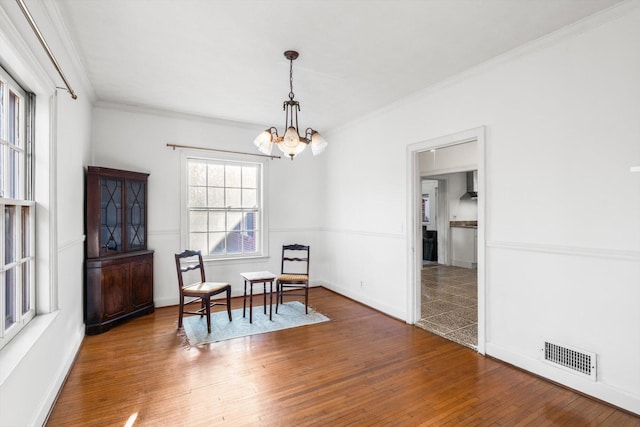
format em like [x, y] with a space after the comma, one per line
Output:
[290, 315]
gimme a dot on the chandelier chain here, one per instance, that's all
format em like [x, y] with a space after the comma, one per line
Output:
[291, 95]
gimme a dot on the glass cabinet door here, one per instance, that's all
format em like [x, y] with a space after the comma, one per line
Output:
[110, 215]
[135, 214]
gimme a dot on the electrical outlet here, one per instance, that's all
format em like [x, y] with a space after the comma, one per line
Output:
[361, 284]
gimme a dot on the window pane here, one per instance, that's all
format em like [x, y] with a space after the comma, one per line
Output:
[3, 187]
[215, 197]
[233, 197]
[197, 197]
[234, 243]
[26, 288]
[250, 243]
[250, 221]
[14, 119]
[249, 198]
[197, 221]
[2, 118]
[216, 221]
[233, 176]
[249, 177]
[197, 173]
[26, 232]
[215, 177]
[9, 234]
[10, 298]
[216, 244]
[234, 221]
[13, 169]
[198, 242]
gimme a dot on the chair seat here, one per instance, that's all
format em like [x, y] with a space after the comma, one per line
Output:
[204, 287]
[293, 278]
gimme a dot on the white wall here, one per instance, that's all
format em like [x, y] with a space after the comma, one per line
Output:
[135, 139]
[562, 208]
[34, 364]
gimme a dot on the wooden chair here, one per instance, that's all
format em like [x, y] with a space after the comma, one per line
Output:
[294, 271]
[200, 291]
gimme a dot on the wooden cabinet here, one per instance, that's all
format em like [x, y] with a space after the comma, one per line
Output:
[119, 267]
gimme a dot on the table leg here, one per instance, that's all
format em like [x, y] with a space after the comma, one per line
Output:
[271, 299]
[244, 301]
[264, 293]
[250, 302]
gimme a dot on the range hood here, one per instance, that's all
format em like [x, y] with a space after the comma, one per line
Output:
[472, 186]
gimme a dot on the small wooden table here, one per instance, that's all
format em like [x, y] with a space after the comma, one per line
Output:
[257, 277]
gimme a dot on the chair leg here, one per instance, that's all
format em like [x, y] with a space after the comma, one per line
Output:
[277, 295]
[306, 299]
[181, 312]
[207, 300]
[229, 304]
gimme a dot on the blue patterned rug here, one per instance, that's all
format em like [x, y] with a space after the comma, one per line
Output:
[290, 315]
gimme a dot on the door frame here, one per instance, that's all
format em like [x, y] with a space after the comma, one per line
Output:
[414, 230]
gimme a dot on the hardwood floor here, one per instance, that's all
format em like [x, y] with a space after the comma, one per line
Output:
[360, 368]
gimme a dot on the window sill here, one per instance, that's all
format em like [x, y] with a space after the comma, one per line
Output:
[232, 260]
[13, 353]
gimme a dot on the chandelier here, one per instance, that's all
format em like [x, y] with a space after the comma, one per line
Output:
[291, 143]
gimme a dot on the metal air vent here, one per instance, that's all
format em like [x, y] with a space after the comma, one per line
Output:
[571, 359]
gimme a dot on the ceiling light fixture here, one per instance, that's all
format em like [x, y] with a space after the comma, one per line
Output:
[291, 143]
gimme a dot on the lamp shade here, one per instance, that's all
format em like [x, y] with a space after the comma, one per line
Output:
[264, 142]
[318, 144]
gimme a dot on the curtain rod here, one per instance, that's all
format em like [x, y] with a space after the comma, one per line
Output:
[44, 44]
[174, 146]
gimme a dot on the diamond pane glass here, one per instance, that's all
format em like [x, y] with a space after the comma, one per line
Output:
[111, 215]
[135, 214]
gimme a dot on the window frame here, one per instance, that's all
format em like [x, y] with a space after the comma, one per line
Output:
[228, 159]
[22, 262]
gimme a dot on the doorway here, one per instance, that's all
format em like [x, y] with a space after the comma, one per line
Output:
[458, 159]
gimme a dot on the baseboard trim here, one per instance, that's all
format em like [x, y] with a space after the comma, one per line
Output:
[49, 401]
[597, 390]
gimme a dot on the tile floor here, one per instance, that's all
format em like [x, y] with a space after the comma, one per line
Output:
[450, 303]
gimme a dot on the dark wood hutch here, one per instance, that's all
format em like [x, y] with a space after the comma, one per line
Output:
[118, 265]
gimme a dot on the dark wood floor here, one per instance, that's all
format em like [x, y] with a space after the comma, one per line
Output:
[361, 368]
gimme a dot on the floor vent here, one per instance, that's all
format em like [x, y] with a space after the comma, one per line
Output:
[570, 359]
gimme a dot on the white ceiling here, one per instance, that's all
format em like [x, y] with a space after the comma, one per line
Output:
[224, 58]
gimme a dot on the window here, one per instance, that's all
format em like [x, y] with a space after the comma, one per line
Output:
[224, 208]
[17, 212]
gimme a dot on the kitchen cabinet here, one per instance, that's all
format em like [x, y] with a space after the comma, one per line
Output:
[118, 265]
[464, 243]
